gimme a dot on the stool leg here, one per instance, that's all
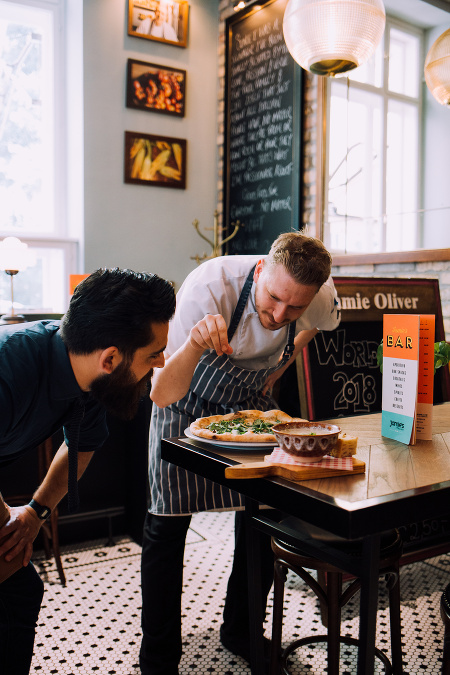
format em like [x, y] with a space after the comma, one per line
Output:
[55, 546]
[334, 590]
[46, 541]
[395, 623]
[446, 649]
[279, 579]
[446, 654]
[322, 581]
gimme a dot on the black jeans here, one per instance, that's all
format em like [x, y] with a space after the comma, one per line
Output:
[162, 580]
[20, 602]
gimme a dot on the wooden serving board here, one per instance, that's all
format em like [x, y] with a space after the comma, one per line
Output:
[290, 471]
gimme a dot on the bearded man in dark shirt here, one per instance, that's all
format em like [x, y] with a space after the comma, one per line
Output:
[66, 375]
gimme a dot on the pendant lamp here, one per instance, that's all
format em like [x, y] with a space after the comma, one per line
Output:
[437, 69]
[328, 37]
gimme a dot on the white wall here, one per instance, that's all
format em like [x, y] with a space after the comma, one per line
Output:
[147, 228]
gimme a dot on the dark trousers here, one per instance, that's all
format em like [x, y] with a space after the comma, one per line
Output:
[20, 602]
[162, 580]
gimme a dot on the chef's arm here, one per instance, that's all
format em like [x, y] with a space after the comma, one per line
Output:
[171, 383]
[300, 341]
[23, 525]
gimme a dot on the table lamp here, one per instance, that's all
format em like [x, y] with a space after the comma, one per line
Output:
[14, 258]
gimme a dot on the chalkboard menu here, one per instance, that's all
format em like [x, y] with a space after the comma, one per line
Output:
[263, 129]
[337, 374]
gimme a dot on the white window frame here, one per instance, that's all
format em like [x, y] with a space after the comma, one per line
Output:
[67, 233]
[386, 96]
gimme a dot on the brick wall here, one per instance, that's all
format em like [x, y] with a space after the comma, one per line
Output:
[430, 270]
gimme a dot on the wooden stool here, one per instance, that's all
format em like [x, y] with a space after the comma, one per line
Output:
[332, 598]
[49, 529]
[445, 615]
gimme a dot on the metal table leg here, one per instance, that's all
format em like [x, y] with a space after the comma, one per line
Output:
[368, 605]
[256, 611]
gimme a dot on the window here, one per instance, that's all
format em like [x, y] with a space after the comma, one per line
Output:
[374, 149]
[32, 151]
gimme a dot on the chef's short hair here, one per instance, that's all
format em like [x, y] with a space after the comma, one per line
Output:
[116, 307]
[305, 258]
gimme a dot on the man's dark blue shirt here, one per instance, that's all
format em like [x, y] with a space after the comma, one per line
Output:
[38, 391]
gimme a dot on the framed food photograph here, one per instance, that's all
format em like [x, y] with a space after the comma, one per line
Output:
[160, 20]
[155, 160]
[155, 88]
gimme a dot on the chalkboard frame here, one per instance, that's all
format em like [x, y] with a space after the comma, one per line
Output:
[311, 390]
[295, 192]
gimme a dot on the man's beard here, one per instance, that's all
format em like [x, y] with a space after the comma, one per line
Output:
[120, 392]
[272, 325]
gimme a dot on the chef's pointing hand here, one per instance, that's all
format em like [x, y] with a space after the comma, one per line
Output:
[211, 333]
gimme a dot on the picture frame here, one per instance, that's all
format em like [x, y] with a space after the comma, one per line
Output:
[160, 20]
[155, 160]
[156, 88]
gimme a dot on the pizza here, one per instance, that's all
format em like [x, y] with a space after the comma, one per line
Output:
[245, 426]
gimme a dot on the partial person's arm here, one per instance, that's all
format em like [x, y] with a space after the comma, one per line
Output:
[23, 525]
[171, 383]
[300, 341]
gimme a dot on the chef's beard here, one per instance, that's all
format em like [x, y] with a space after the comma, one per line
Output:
[120, 392]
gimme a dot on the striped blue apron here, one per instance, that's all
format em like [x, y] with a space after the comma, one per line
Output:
[218, 387]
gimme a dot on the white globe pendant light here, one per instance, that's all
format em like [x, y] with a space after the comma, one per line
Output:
[437, 69]
[328, 37]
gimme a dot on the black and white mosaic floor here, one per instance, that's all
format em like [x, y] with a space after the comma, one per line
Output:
[93, 624]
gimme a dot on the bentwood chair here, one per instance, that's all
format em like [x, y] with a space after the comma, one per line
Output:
[49, 529]
[329, 589]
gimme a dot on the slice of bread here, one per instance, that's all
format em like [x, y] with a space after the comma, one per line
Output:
[345, 446]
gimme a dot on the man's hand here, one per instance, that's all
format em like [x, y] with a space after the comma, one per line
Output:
[171, 383]
[19, 532]
[211, 333]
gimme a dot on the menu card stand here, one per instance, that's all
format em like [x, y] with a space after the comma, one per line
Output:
[408, 376]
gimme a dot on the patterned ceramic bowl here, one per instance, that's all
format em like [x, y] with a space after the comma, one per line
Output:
[306, 441]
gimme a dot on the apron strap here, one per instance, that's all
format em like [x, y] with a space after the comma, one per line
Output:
[289, 349]
[239, 309]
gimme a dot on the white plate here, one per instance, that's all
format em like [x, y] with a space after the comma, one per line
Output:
[227, 444]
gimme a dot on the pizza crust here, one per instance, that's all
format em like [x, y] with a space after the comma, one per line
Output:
[200, 426]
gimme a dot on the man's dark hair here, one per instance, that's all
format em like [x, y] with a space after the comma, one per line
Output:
[116, 307]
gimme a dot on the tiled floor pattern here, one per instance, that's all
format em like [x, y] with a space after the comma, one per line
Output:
[93, 624]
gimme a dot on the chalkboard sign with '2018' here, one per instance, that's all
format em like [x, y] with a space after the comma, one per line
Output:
[263, 129]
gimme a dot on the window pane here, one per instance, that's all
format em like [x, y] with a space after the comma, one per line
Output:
[355, 171]
[404, 62]
[372, 71]
[26, 119]
[35, 287]
[402, 177]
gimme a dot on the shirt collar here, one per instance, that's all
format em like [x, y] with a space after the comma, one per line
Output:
[62, 379]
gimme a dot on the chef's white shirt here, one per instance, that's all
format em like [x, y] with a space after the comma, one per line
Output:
[214, 287]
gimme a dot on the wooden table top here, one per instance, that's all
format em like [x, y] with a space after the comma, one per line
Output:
[390, 466]
[401, 484]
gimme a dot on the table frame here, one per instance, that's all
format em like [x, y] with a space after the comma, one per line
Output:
[365, 518]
